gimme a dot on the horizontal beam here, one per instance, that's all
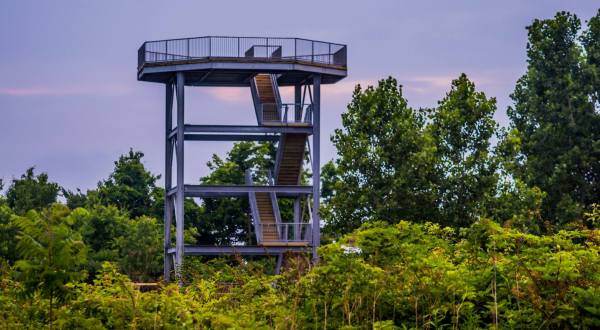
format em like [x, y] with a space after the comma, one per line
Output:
[229, 137]
[244, 129]
[240, 250]
[306, 129]
[165, 68]
[216, 191]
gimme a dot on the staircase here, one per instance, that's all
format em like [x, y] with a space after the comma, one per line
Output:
[288, 166]
[289, 160]
[267, 97]
[267, 217]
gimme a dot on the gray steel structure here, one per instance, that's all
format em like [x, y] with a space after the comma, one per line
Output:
[262, 64]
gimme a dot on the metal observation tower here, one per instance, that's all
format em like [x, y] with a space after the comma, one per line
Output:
[262, 64]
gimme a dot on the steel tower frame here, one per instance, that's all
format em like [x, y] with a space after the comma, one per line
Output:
[177, 71]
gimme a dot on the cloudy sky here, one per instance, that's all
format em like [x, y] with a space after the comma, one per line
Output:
[70, 103]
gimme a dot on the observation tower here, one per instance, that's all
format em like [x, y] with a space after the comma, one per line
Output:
[262, 65]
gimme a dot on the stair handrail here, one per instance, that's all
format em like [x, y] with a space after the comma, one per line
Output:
[310, 217]
[254, 208]
[308, 113]
[274, 203]
[275, 86]
[258, 109]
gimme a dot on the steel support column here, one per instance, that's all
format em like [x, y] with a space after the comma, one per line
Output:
[179, 196]
[316, 166]
[168, 216]
[298, 101]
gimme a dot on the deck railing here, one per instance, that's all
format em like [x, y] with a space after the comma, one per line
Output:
[286, 113]
[295, 49]
[288, 231]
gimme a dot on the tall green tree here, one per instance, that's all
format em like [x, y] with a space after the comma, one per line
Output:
[31, 192]
[53, 254]
[385, 165]
[591, 42]
[555, 117]
[462, 127]
[129, 186]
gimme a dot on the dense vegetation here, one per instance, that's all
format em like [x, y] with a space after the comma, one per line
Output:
[433, 218]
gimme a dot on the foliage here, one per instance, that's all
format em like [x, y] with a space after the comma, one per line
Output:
[556, 119]
[52, 253]
[129, 186]
[385, 163]
[140, 252]
[31, 192]
[397, 163]
[462, 127]
[404, 275]
[101, 227]
[8, 232]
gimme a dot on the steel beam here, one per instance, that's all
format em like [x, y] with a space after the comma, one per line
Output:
[230, 137]
[241, 250]
[168, 215]
[244, 129]
[316, 166]
[333, 74]
[248, 129]
[179, 196]
[298, 102]
[215, 191]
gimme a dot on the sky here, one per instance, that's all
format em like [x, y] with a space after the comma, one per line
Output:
[70, 102]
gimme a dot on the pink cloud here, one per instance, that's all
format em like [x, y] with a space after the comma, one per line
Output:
[228, 94]
[242, 95]
[111, 89]
[346, 87]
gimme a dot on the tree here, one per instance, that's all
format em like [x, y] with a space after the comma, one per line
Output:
[75, 199]
[385, 164]
[129, 186]
[591, 42]
[140, 251]
[462, 127]
[31, 192]
[555, 119]
[101, 227]
[8, 233]
[53, 254]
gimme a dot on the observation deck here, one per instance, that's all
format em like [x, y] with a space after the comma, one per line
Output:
[234, 61]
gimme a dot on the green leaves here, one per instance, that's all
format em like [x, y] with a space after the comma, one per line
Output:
[397, 163]
[555, 116]
[130, 186]
[52, 253]
[462, 127]
[384, 166]
[31, 192]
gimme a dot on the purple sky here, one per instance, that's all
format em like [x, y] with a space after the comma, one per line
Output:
[70, 103]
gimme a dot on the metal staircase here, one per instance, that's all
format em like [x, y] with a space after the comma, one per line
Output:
[289, 161]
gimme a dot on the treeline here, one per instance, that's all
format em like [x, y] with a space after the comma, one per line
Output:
[442, 165]
[433, 218]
